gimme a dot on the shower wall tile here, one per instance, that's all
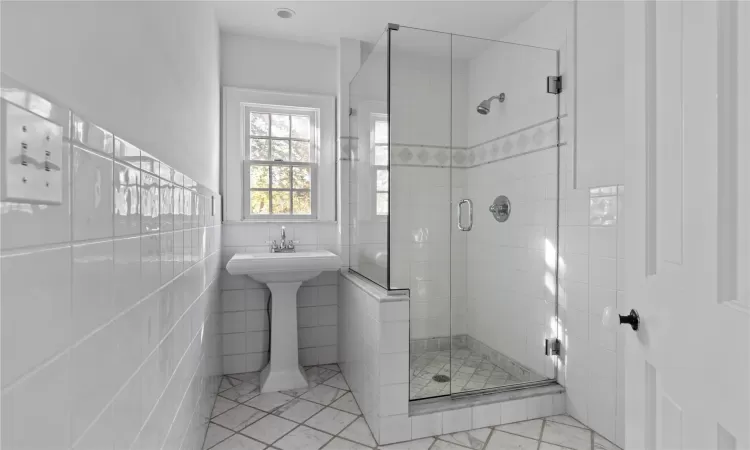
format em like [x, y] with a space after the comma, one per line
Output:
[83, 295]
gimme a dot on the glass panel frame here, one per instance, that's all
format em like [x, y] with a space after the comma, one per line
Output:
[365, 191]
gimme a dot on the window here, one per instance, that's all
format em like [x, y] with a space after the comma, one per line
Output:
[280, 161]
[279, 156]
[379, 149]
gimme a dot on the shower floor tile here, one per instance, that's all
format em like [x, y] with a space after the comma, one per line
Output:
[468, 371]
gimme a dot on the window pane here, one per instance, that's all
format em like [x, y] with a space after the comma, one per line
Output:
[302, 203]
[258, 202]
[382, 180]
[301, 177]
[258, 149]
[382, 203]
[279, 125]
[259, 124]
[381, 155]
[281, 203]
[280, 175]
[381, 132]
[301, 127]
[259, 176]
[280, 150]
[300, 151]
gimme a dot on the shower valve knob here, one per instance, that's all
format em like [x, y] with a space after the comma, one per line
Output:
[611, 319]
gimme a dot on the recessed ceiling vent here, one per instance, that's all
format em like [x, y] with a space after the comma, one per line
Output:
[285, 13]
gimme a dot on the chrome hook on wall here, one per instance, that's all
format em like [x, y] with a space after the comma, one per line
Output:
[500, 208]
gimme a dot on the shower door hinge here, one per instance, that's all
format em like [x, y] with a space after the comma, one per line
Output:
[552, 347]
[554, 85]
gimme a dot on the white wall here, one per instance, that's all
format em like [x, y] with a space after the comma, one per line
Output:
[284, 66]
[109, 301]
[146, 70]
[277, 65]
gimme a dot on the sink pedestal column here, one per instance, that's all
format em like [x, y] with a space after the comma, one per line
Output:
[283, 372]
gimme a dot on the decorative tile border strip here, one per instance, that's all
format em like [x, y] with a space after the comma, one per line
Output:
[541, 136]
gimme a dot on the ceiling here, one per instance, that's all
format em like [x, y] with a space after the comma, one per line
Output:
[324, 22]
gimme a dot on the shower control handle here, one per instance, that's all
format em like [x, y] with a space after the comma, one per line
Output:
[471, 215]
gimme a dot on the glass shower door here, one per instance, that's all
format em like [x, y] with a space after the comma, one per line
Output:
[504, 222]
[419, 229]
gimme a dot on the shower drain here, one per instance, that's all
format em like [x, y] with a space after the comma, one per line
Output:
[441, 378]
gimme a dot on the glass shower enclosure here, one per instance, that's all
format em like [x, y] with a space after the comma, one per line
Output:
[454, 184]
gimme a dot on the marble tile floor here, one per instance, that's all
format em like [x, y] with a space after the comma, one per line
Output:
[468, 371]
[326, 416]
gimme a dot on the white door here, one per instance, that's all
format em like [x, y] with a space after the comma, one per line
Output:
[688, 366]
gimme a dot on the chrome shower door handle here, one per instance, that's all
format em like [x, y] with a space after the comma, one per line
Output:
[471, 215]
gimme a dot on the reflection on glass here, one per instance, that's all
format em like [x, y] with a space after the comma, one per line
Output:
[382, 180]
[382, 203]
[381, 155]
[368, 168]
[381, 131]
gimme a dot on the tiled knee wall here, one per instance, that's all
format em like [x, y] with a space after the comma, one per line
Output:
[244, 302]
[110, 301]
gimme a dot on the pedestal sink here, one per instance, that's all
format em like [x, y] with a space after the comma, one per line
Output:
[283, 273]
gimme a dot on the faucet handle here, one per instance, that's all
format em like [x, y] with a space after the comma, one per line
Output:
[291, 243]
[272, 244]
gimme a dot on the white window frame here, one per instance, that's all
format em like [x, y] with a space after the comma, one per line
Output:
[235, 137]
[374, 118]
[313, 115]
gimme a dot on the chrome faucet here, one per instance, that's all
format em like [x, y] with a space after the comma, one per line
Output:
[285, 246]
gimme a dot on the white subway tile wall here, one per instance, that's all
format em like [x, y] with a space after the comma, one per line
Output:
[591, 279]
[108, 339]
[377, 372]
[244, 302]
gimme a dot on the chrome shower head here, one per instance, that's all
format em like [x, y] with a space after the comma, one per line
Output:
[484, 106]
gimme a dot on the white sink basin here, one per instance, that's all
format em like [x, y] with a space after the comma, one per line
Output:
[283, 267]
[283, 273]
